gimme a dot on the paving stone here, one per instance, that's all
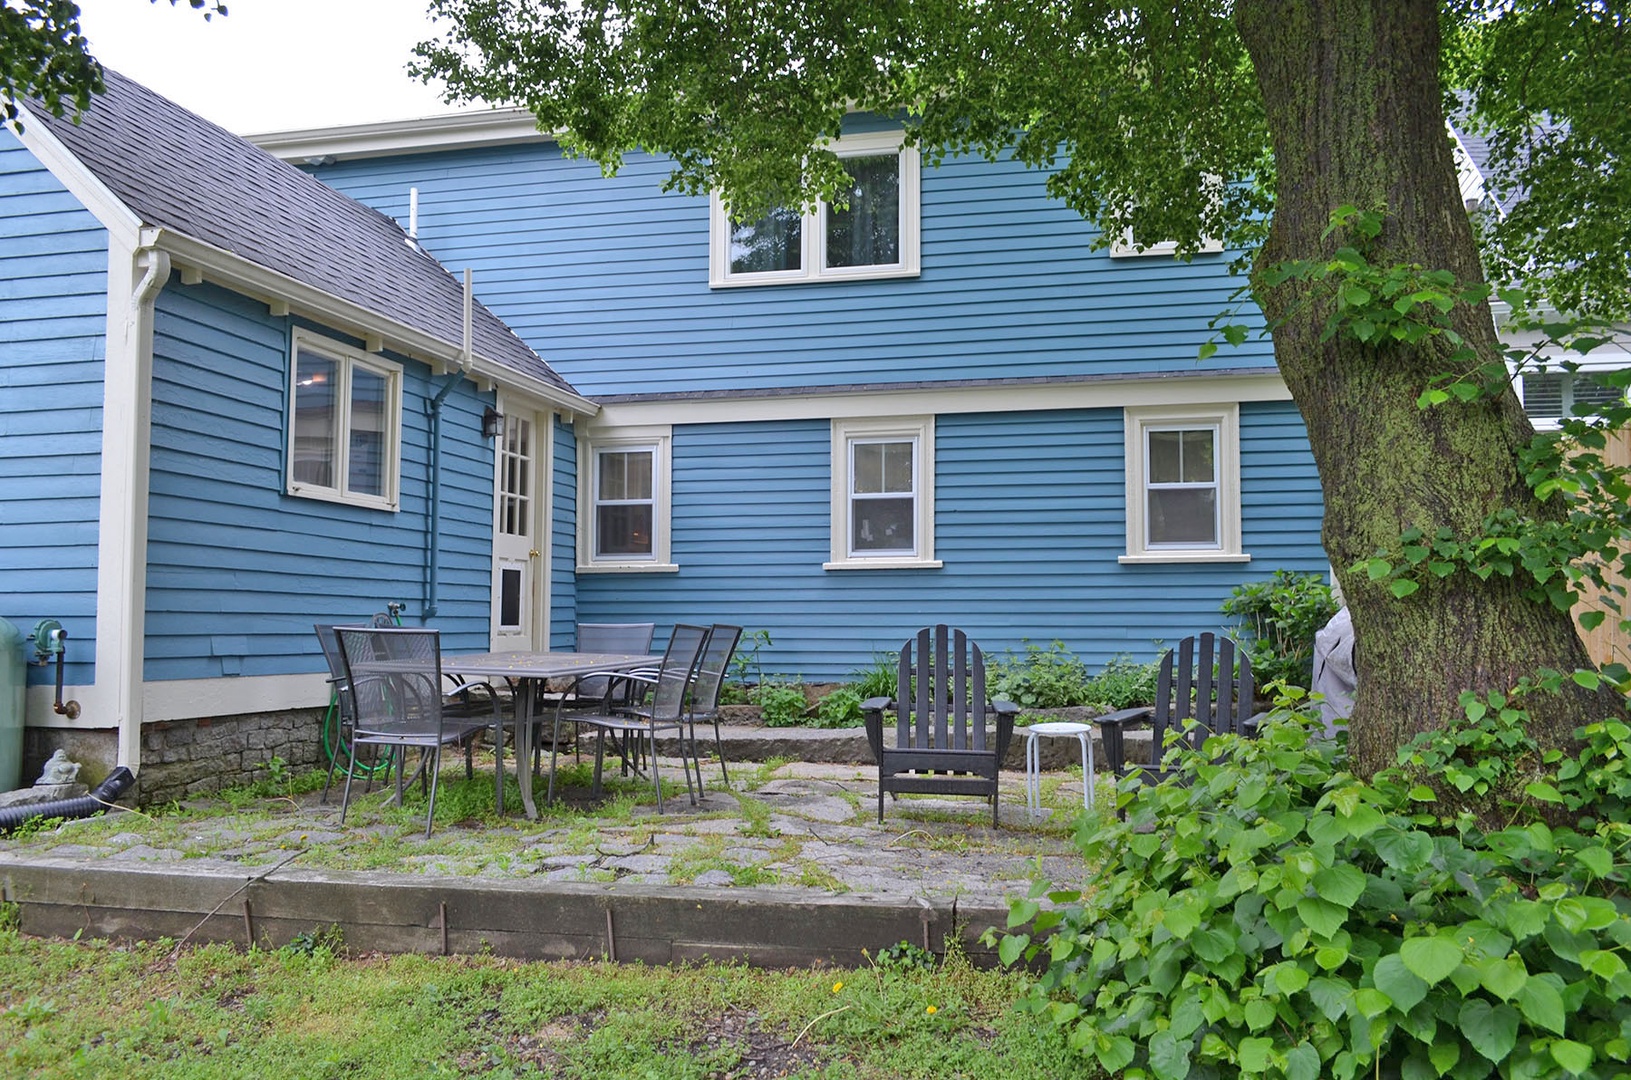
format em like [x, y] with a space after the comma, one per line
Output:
[557, 861]
[146, 853]
[639, 864]
[713, 879]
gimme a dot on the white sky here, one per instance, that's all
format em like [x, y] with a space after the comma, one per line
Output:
[271, 65]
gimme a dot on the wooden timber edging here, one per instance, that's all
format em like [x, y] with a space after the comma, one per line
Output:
[448, 915]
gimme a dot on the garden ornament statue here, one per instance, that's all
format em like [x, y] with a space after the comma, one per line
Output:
[58, 770]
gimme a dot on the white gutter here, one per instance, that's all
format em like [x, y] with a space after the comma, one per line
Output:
[269, 286]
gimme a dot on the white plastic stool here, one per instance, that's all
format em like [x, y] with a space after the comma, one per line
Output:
[1033, 760]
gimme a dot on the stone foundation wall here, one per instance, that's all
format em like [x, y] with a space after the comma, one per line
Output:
[183, 758]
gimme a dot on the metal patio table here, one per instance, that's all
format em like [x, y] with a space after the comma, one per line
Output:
[529, 671]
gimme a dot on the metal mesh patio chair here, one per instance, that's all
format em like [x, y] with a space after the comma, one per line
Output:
[589, 692]
[395, 679]
[716, 658]
[663, 709]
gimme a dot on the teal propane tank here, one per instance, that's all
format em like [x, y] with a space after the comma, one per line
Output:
[13, 676]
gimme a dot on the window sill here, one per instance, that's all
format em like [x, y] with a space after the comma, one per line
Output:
[884, 564]
[328, 495]
[628, 568]
[742, 281]
[1184, 557]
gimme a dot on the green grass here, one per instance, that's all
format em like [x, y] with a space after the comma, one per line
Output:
[96, 1009]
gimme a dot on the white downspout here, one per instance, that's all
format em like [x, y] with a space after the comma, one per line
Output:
[127, 442]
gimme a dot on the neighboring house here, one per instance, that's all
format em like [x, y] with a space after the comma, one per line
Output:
[235, 403]
[939, 405]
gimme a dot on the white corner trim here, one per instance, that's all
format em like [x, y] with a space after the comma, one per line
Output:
[134, 279]
[81, 183]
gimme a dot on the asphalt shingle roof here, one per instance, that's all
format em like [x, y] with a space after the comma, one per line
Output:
[176, 170]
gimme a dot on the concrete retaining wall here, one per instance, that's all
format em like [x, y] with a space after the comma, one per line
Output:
[527, 920]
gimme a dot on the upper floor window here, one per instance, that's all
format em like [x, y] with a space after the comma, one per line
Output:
[1183, 484]
[883, 493]
[876, 235]
[1549, 397]
[625, 489]
[345, 431]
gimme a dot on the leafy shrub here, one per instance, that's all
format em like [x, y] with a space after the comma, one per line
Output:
[879, 679]
[840, 708]
[1278, 618]
[1275, 916]
[747, 669]
[1123, 683]
[1050, 678]
[782, 704]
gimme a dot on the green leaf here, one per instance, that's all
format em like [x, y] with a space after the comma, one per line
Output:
[1321, 916]
[1302, 1062]
[1114, 1053]
[1011, 947]
[1503, 977]
[1574, 1057]
[1259, 1014]
[1330, 957]
[1343, 884]
[1542, 1005]
[1330, 996]
[1589, 679]
[1543, 792]
[1402, 850]
[1492, 1030]
[1602, 963]
[1212, 946]
[1444, 1054]
[1378, 569]
[1364, 820]
[1597, 860]
[1371, 1003]
[1402, 588]
[1405, 987]
[1254, 1054]
[1431, 958]
[1207, 349]
[1169, 1056]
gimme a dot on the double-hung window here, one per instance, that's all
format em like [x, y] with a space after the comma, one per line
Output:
[876, 235]
[624, 486]
[345, 411]
[1183, 484]
[883, 494]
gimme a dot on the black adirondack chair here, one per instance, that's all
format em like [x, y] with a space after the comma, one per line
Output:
[942, 743]
[1204, 679]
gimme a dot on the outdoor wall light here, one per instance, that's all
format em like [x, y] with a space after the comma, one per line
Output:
[492, 422]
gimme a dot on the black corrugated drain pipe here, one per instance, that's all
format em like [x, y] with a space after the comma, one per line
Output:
[103, 796]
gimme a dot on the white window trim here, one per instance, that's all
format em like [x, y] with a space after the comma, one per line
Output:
[657, 438]
[1225, 419]
[1123, 247]
[920, 429]
[347, 358]
[1552, 362]
[814, 230]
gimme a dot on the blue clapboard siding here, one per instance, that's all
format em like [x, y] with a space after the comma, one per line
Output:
[608, 280]
[1030, 518]
[238, 571]
[563, 538]
[53, 321]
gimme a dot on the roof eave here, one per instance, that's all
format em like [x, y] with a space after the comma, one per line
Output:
[455, 131]
[251, 279]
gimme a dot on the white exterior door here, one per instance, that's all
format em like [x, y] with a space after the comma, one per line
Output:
[520, 467]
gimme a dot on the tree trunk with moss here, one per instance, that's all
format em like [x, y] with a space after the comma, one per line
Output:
[1353, 102]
